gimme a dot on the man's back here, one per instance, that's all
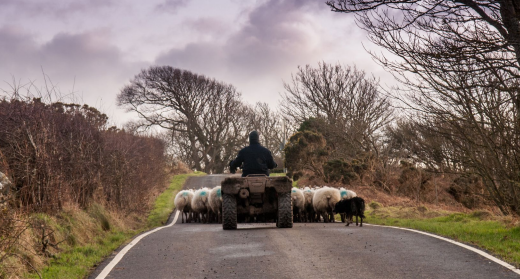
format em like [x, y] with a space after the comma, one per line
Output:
[255, 158]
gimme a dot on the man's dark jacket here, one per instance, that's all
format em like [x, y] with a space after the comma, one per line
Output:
[256, 158]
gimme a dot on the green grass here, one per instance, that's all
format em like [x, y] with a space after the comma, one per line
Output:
[77, 261]
[480, 229]
[163, 206]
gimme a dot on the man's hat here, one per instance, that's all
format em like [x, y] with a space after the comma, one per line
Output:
[254, 137]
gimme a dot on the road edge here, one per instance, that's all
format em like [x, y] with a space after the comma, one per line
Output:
[475, 250]
[108, 268]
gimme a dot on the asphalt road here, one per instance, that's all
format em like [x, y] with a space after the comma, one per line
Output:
[314, 250]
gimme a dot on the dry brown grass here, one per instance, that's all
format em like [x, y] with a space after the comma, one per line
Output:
[72, 227]
[426, 189]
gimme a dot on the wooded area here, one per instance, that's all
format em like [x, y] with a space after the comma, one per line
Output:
[458, 64]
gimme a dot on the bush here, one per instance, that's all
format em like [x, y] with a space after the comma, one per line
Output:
[374, 205]
[339, 170]
[58, 153]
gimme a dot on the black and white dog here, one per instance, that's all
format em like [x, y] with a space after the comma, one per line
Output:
[351, 207]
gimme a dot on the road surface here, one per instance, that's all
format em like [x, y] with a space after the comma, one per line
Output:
[309, 250]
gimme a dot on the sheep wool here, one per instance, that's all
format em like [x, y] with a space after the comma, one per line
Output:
[182, 202]
[298, 198]
[343, 192]
[199, 203]
[215, 199]
[351, 194]
[308, 194]
[324, 201]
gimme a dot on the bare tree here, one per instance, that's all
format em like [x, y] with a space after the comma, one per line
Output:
[459, 64]
[269, 124]
[202, 114]
[349, 103]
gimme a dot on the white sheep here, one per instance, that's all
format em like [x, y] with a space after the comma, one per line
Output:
[309, 214]
[347, 194]
[182, 202]
[200, 204]
[298, 202]
[351, 194]
[324, 201]
[215, 202]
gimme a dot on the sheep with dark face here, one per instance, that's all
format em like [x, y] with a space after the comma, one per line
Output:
[200, 205]
[351, 207]
[298, 203]
[215, 202]
[309, 214]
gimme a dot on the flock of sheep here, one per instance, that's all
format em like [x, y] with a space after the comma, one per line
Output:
[309, 205]
[322, 203]
[203, 205]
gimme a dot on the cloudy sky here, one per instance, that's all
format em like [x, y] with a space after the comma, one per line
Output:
[92, 48]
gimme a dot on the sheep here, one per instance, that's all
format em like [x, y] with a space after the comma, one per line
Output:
[343, 193]
[182, 202]
[351, 207]
[200, 204]
[215, 202]
[309, 213]
[323, 202]
[298, 202]
[351, 194]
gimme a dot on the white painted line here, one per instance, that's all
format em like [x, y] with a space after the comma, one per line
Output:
[480, 252]
[127, 248]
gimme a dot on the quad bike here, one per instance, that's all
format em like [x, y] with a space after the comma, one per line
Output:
[256, 198]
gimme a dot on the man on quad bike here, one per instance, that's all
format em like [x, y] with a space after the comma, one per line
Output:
[255, 158]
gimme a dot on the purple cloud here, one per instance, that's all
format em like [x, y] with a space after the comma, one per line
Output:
[277, 34]
[207, 26]
[171, 6]
[59, 8]
[85, 62]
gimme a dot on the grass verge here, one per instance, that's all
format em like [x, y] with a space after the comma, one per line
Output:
[76, 262]
[498, 235]
[93, 235]
[163, 206]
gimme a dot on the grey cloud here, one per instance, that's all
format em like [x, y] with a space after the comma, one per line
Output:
[15, 43]
[171, 6]
[276, 36]
[203, 58]
[83, 54]
[57, 8]
[86, 62]
[207, 26]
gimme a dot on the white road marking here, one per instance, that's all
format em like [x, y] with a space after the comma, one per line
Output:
[127, 248]
[480, 252]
